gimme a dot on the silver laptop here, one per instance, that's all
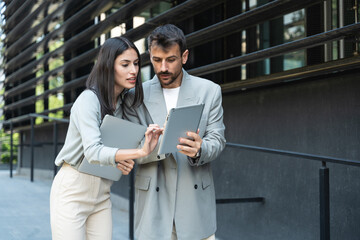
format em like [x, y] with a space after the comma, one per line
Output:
[119, 133]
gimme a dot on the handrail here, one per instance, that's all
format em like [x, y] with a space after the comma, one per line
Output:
[32, 115]
[324, 179]
[297, 154]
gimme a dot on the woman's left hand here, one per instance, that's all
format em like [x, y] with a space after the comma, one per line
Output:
[125, 166]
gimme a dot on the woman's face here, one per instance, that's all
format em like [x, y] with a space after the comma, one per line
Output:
[126, 69]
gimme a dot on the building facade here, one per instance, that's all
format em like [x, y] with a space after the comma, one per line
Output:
[289, 72]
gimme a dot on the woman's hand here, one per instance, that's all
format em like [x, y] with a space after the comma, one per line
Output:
[125, 166]
[124, 157]
[152, 135]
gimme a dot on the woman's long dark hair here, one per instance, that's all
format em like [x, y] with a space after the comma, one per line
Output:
[101, 79]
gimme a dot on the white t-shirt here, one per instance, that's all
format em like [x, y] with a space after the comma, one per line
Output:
[171, 96]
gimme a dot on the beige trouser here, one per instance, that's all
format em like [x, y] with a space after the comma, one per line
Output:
[80, 206]
[174, 236]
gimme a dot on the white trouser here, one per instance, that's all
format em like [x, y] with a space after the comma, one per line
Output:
[174, 235]
[80, 207]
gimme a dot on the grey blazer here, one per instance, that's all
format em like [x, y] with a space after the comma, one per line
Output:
[174, 189]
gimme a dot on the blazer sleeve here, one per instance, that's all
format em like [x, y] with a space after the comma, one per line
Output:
[87, 119]
[213, 139]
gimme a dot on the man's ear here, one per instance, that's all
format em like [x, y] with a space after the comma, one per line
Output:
[150, 55]
[185, 56]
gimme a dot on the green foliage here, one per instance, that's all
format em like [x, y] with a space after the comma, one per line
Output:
[6, 147]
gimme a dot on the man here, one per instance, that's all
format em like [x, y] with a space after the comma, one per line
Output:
[175, 196]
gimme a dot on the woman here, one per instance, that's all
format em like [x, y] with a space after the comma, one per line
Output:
[80, 206]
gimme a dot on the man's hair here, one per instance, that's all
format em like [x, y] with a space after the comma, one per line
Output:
[167, 35]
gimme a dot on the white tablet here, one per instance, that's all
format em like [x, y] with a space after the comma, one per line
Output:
[179, 121]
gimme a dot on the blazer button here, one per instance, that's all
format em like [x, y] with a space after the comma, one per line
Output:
[157, 189]
[196, 186]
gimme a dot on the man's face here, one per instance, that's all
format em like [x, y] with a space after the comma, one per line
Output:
[168, 64]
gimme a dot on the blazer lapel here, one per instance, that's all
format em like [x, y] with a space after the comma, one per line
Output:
[187, 95]
[155, 102]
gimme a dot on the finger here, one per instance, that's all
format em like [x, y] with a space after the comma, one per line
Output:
[149, 130]
[193, 135]
[187, 154]
[127, 165]
[152, 131]
[130, 161]
[121, 169]
[189, 150]
[158, 132]
[153, 127]
[188, 142]
[125, 170]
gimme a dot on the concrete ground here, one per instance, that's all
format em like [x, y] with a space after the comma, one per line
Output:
[24, 210]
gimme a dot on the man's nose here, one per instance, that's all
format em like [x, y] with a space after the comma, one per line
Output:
[163, 66]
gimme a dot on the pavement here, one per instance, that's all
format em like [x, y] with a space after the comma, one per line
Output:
[25, 213]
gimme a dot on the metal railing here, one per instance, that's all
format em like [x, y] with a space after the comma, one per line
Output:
[32, 117]
[324, 186]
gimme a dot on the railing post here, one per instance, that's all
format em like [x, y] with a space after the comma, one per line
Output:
[324, 203]
[21, 150]
[131, 206]
[11, 150]
[32, 150]
[55, 145]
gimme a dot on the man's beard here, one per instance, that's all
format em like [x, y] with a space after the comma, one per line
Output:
[171, 75]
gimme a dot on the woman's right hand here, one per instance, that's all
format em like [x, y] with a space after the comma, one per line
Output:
[152, 135]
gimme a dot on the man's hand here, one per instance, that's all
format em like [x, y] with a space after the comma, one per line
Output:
[190, 146]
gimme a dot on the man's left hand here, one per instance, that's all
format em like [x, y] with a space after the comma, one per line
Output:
[190, 146]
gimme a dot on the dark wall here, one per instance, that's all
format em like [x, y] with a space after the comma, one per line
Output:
[44, 148]
[320, 116]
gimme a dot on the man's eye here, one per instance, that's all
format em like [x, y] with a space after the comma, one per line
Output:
[171, 60]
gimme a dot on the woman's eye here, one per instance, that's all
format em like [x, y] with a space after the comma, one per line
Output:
[125, 65]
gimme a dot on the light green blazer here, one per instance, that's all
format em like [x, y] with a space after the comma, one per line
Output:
[174, 189]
